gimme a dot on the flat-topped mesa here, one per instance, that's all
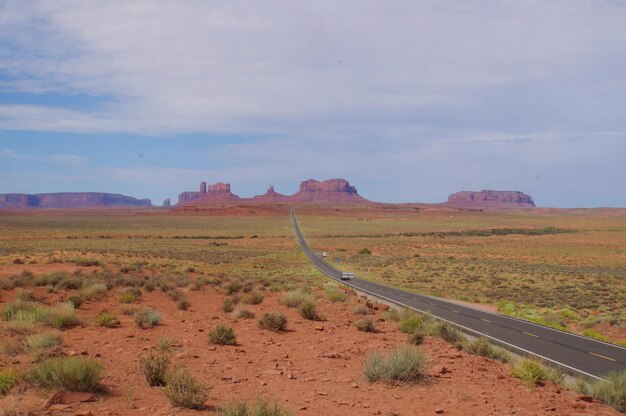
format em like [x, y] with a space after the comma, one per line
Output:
[208, 193]
[70, 200]
[271, 196]
[491, 199]
[332, 190]
[167, 203]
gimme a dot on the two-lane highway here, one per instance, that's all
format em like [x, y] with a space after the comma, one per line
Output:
[574, 353]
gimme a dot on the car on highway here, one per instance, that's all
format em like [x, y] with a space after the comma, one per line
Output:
[347, 275]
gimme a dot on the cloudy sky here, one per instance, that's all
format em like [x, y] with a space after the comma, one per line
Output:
[408, 100]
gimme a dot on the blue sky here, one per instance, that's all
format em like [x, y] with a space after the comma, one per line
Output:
[409, 101]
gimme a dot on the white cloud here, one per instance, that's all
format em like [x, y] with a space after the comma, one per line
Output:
[64, 159]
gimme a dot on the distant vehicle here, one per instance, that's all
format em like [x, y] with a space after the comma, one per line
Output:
[324, 254]
[347, 275]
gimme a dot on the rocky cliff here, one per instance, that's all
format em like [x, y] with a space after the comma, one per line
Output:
[491, 199]
[211, 193]
[271, 196]
[69, 200]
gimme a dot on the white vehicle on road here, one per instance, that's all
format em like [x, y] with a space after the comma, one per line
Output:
[347, 275]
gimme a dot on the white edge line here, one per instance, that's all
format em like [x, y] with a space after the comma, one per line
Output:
[455, 324]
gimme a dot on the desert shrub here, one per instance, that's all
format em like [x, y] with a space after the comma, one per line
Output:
[183, 304]
[107, 320]
[483, 347]
[87, 262]
[532, 371]
[96, 291]
[26, 295]
[70, 283]
[403, 365]
[147, 317]
[8, 380]
[411, 323]
[129, 295]
[175, 294]
[50, 279]
[76, 300]
[244, 313]
[308, 310]
[334, 294]
[364, 251]
[260, 407]
[254, 298]
[222, 335]
[232, 287]
[23, 279]
[69, 373]
[392, 314]
[448, 333]
[416, 338]
[129, 311]
[228, 305]
[273, 321]
[612, 391]
[62, 316]
[294, 298]
[44, 341]
[18, 261]
[184, 390]
[361, 310]
[154, 366]
[366, 325]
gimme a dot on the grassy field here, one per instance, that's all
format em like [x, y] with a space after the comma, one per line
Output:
[566, 269]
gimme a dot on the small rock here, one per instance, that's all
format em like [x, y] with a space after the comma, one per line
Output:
[439, 411]
[585, 398]
[303, 408]
[319, 327]
[355, 385]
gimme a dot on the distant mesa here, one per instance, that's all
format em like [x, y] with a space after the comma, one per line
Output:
[69, 200]
[330, 191]
[167, 203]
[491, 199]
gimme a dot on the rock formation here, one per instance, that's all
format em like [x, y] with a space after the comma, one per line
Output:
[69, 200]
[271, 196]
[491, 199]
[167, 203]
[332, 191]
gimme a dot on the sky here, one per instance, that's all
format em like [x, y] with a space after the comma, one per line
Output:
[408, 100]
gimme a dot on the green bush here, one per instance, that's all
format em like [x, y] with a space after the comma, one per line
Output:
[183, 304]
[222, 335]
[449, 334]
[273, 321]
[531, 372]
[612, 391]
[44, 341]
[69, 373]
[154, 366]
[184, 390]
[411, 323]
[308, 310]
[260, 407]
[483, 347]
[8, 380]
[366, 325]
[147, 317]
[403, 365]
[107, 320]
[364, 251]
[232, 287]
[392, 314]
[254, 298]
[334, 294]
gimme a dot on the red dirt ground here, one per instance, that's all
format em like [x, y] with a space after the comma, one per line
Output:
[315, 368]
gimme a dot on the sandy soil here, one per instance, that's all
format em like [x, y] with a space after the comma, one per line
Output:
[314, 368]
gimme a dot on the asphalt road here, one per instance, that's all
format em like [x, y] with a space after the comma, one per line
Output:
[574, 353]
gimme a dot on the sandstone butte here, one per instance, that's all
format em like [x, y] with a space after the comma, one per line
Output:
[69, 200]
[491, 199]
[329, 191]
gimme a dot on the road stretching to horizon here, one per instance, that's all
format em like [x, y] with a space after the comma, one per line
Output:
[574, 353]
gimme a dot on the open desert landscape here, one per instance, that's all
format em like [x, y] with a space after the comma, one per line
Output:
[134, 293]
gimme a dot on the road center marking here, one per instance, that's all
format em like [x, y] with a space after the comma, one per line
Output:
[454, 310]
[532, 335]
[602, 356]
[485, 320]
